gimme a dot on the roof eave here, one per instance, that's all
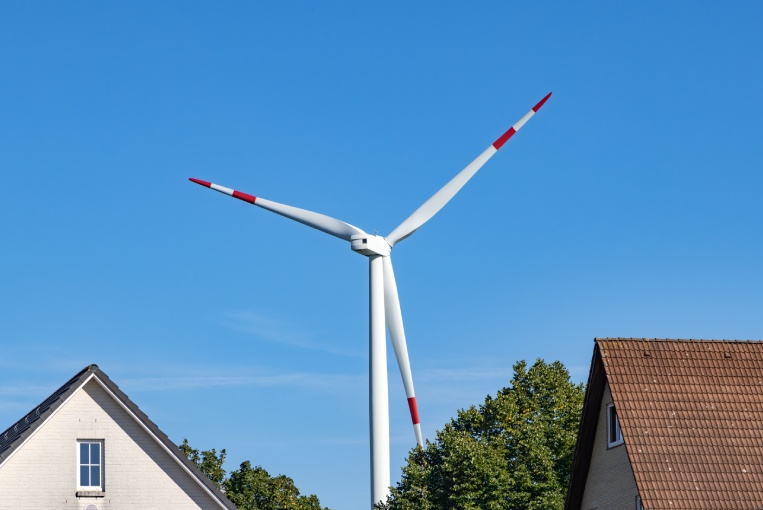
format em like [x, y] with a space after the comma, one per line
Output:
[587, 432]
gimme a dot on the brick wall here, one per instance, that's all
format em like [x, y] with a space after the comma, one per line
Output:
[138, 472]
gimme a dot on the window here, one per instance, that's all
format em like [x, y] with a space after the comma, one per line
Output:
[90, 464]
[614, 433]
[639, 505]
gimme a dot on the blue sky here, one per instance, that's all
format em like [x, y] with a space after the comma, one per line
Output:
[629, 206]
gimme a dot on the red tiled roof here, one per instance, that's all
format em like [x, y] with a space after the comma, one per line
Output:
[691, 413]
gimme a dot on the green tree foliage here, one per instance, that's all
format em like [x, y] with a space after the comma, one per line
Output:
[254, 489]
[514, 452]
[251, 488]
[208, 461]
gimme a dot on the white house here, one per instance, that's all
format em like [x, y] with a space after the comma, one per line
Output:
[88, 447]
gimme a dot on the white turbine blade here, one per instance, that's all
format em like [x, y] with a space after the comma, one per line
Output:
[443, 196]
[397, 335]
[316, 220]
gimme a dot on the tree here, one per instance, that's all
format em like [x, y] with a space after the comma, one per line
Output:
[251, 488]
[513, 452]
[254, 489]
[208, 461]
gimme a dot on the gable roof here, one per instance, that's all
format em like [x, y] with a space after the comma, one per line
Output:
[17, 434]
[691, 413]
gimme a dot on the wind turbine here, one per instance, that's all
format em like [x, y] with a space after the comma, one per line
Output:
[384, 301]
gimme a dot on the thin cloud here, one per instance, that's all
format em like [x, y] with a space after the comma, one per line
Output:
[26, 390]
[277, 331]
[312, 441]
[18, 363]
[191, 382]
[464, 374]
[10, 405]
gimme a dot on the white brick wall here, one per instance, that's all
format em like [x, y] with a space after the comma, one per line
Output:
[610, 484]
[138, 472]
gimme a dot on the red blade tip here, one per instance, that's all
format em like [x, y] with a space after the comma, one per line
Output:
[199, 181]
[537, 106]
[414, 410]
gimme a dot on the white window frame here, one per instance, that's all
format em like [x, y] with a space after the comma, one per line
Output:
[101, 458]
[613, 425]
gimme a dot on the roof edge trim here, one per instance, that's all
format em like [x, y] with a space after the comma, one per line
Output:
[36, 428]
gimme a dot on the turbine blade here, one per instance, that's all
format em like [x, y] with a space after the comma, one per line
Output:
[397, 334]
[312, 219]
[443, 196]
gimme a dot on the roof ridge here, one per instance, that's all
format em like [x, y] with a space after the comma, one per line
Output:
[695, 340]
[8, 436]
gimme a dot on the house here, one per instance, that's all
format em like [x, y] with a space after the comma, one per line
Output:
[88, 447]
[671, 424]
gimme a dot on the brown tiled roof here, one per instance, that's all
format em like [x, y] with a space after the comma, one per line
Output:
[691, 413]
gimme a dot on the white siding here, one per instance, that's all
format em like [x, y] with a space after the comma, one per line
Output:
[610, 484]
[138, 472]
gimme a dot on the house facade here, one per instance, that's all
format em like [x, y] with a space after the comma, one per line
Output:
[610, 476]
[89, 447]
[671, 424]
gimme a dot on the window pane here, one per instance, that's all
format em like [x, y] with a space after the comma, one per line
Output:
[84, 479]
[614, 426]
[95, 453]
[83, 453]
[95, 476]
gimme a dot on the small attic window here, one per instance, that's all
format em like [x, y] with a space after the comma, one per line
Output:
[90, 464]
[614, 432]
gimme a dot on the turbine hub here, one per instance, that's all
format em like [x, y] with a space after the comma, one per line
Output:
[370, 245]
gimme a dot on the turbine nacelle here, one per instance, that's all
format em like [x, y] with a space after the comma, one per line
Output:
[370, 245]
